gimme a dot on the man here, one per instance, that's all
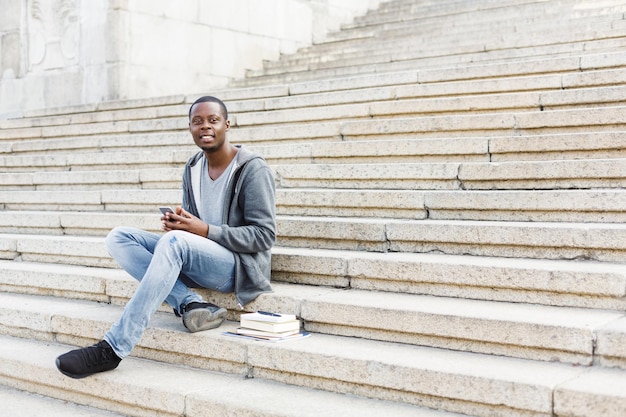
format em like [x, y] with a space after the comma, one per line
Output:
[219, 239]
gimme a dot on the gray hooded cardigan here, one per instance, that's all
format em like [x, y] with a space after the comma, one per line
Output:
[249, 223]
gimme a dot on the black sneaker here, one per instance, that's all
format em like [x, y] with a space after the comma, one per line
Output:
[80, 363]
[203, 316]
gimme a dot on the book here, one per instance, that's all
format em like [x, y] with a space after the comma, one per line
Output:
[270, 326]
[269, 335]
[269, 317]
[298, 335]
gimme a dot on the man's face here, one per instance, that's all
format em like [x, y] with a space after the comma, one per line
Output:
[208, 126]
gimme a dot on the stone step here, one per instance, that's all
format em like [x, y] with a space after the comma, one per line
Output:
[474, 104]
[569, 146]
[551, 174]
[132, 109]
[401, 20]
[128, 142]
[592, 145]
[456, 39]
[592, 119]
[563, 174]
[37, 236]
[405, 85]
[430, 57]
[103, 179]
[527, 331]
[471, 383]
[572, 67]
[70, 124]
[21, 403]
[484, 63]
[377, 103]
[582, 283]
[396, 12]
[538, 205]
[133, 389]
[549, 282]
[595, 241]
[247, 100]
[606, 206]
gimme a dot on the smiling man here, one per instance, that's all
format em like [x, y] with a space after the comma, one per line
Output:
[220, 238]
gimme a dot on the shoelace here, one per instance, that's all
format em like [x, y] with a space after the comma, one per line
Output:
[98, 354]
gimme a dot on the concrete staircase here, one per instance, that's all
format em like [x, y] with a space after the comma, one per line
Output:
[451, 226]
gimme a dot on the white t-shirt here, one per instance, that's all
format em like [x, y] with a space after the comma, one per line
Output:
[212, 193]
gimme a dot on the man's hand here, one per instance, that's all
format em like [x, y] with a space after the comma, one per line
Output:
[183, 220]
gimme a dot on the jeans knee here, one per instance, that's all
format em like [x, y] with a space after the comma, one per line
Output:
[174, 238]
[113, 237]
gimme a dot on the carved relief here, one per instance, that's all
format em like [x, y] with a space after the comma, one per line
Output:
[53, 33]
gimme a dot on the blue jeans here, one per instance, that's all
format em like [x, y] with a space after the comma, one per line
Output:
[161, 263]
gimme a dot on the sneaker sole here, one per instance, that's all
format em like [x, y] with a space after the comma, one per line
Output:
[202, 319]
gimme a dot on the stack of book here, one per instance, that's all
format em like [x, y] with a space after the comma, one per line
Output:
[275, 327]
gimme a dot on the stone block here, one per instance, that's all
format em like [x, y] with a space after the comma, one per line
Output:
[381, 176]
[353, 83]
[17, 180]
[502, 122]
[474, 104]
[592, 145]
[299, 132]
[602, 173]
[318, 232]
[578, 97]
[403, 151]
[70, 250]
[85, 180]
[595, 393]
[594, 78]
[367, 95]
[585, 118]
[593, 279]
[139, 200]
[57, 280]
[99, 225]
[601, 242]
[342, 203]
[340, 112]
[495, 85]
[498, 69]
[561, 206]
[611, 344]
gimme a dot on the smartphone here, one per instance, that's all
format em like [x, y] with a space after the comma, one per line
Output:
[166, 210]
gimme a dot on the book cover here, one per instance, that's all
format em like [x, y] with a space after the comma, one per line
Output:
[270, 327]
[269, 317]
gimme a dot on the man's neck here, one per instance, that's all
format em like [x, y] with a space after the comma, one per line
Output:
[219, 160]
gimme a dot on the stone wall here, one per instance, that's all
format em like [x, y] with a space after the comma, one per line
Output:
[69, 52]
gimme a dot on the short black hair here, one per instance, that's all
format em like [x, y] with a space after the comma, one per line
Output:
[211, 99]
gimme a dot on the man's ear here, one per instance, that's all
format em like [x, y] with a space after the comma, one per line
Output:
[227, 125]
